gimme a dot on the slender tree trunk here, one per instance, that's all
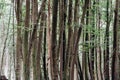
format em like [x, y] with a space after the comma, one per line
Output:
[115, 74]
[92, 37]
[61, 28]
[106, 53]
[26, 53]
[99, 51]
[69, 40]
[64, 36]
[86, 50]
[54, 39]
[34, 54]
[44, 54]
[39, 49]
[119, 43]
[49, 38]
[18, 40]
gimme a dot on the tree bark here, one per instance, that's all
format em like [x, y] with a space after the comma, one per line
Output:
[26, 33]
[115, 73]
[54, 39]
[18, 40]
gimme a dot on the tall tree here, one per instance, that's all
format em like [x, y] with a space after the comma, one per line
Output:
[19, 39]
[61, 28]
[99, 50]
[69, 40]
[85, 54]
[34, 54]
[106, 53]
[115, 71]
[26, 34]
[54, 38]
[44, 53]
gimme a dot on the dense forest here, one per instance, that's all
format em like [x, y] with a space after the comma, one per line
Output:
[60, 39]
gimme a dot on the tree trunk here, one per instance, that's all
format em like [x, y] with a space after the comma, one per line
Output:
[26, 52]
[54, 39]
[115, 71]
[106, 53]
[19, 40]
